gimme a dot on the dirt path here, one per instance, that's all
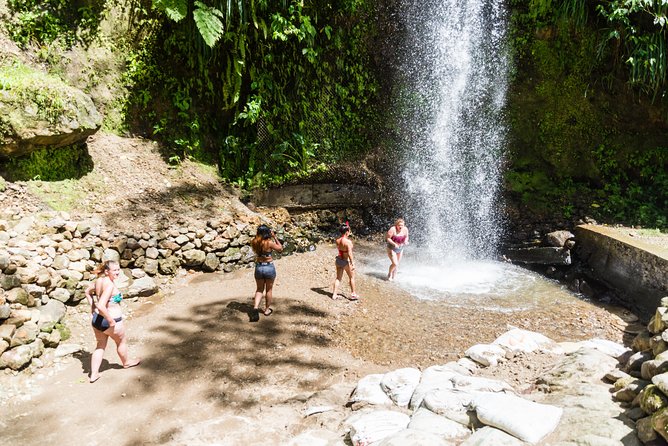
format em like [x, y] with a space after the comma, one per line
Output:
[209, 374]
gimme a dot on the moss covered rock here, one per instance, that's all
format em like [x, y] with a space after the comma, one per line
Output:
[38, 110]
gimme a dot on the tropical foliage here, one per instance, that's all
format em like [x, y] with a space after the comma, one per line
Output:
[588, 81]
[269, 89]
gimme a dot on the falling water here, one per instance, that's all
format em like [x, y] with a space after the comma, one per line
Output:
[454, 79]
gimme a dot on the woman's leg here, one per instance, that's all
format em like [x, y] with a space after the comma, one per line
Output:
[259, 290]
[396, 265]
[337, 281]
[351, 277]
[120, 338]
[393, 266]
[268, 296]
[98, 354]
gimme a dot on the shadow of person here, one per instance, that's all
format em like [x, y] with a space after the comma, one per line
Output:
[322, 290]
[252, 313]
[84, 359]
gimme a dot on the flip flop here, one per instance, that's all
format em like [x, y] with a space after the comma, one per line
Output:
[268, 311]
[354, 297]
[134, 364]
[93, 380]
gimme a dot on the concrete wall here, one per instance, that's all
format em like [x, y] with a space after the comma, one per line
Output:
[637, 270]
[317, 196]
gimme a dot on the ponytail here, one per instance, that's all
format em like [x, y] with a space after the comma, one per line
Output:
[103, 267]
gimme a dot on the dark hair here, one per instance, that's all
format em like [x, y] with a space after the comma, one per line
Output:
[344, 228]
[264, 232]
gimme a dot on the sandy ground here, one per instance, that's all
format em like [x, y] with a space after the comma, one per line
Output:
[203, 359]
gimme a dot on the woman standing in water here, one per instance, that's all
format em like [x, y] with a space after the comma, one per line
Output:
[107, 318]
[344, 262]
[396, 238]
[263, 244]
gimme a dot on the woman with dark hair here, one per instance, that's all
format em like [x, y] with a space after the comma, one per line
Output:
[263, 244]
[344, 262]
[107, 318]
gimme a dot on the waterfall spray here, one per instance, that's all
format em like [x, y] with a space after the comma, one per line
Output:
[454, 78]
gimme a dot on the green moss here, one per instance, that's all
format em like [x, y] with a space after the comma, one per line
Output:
[49, 164]
[63, 195]
[65, 332]
[35, 89]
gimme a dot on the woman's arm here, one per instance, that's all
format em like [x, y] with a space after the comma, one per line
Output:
[89, 297]
[103, 300]
[275, 244]
[349, 245]
[388, 237]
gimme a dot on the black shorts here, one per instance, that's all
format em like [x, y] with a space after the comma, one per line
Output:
[100, 323]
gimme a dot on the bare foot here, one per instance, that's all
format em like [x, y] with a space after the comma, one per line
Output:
[268, 311]
[93, 378]
[132, 363]
[335, 297]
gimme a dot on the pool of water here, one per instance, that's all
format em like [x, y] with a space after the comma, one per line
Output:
[487, 285]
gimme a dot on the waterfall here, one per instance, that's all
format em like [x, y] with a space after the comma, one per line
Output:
[453, 80]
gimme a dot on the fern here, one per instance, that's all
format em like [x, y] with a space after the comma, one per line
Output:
[208, 23]
[175, 9]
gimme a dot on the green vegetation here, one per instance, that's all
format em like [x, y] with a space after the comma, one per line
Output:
[268, 90]
[274, 91]
[575, 122]
[31, 88]
[44, 21]
[49, 164]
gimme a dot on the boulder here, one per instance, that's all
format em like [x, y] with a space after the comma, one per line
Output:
[9, 281]
[413, 437]
[193, 257]
[375, 426]
[369, 391]
[427, 421]
[211, 262]
[60, 294]
[16, 357]
[21, 296]
[524, 419]
[558, 239]
[400, 384]
[169, 266]
[488, 436]
[53, 311]
[25, 334]
[144, 286]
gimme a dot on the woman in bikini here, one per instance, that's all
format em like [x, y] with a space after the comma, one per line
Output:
[107, 318]
[344, 262]
[263, 244]
[396, 238]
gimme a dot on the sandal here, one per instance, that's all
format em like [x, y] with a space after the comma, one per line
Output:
[354, 296]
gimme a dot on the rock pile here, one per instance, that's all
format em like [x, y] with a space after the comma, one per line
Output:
[46, 262]
[641, 383]
[447, 404]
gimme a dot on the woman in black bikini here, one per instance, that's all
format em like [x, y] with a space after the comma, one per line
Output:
[107, 318]
[263, 244]
[344, 262]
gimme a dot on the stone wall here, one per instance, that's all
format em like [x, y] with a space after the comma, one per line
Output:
[46, 262]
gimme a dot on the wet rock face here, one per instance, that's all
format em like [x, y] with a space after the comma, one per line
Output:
[38, 111]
